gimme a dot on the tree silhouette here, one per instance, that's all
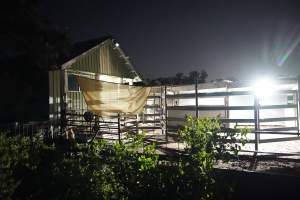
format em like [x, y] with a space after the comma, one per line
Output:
[203, 76]
[179, 78]
[29, 46]
[26, 32]
[193, 76]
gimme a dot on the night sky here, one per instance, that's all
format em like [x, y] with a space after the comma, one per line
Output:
[240, 39]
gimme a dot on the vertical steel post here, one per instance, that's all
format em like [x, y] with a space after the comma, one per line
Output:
[119, 129]
[256, 121]
[137, 124]
[91, 131]
[298, 103]
[226, 103]
[62, 101]
[166, 114]
[196, 96]
[161, 110]
[296, 100]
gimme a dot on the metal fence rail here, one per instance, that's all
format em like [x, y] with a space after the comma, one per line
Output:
[30, 129]
[177, 106]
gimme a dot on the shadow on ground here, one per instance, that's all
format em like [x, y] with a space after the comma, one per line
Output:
[256, 185]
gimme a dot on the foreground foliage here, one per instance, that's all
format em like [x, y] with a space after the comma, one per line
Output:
[30, 169]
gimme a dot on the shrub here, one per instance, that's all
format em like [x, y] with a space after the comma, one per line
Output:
[29, 169]
[206, 138]
[206, 142]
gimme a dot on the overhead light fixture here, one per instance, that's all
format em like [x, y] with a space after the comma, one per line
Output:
[264, 87]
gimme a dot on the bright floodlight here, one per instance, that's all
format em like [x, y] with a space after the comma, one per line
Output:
[264, 87]
[117, 44]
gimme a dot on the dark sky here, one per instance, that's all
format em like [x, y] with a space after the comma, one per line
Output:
[240, 39]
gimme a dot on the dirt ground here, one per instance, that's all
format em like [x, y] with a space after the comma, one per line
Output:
[270, 164]
[281, 158]
[273, 157]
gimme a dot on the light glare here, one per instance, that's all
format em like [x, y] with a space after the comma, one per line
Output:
[264, 87]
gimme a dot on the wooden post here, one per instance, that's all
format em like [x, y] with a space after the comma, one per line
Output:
[196, 96]
[256, 121]
[119, 129]
[166, 114]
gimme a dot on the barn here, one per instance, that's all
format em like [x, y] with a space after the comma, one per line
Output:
[99, 59]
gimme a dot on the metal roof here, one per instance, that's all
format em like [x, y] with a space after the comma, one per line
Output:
[101, 56]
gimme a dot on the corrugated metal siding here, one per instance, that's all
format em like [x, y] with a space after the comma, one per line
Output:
[75, 99]
[76, 102]
[118, 65]
[104, 59]
[54, 95]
